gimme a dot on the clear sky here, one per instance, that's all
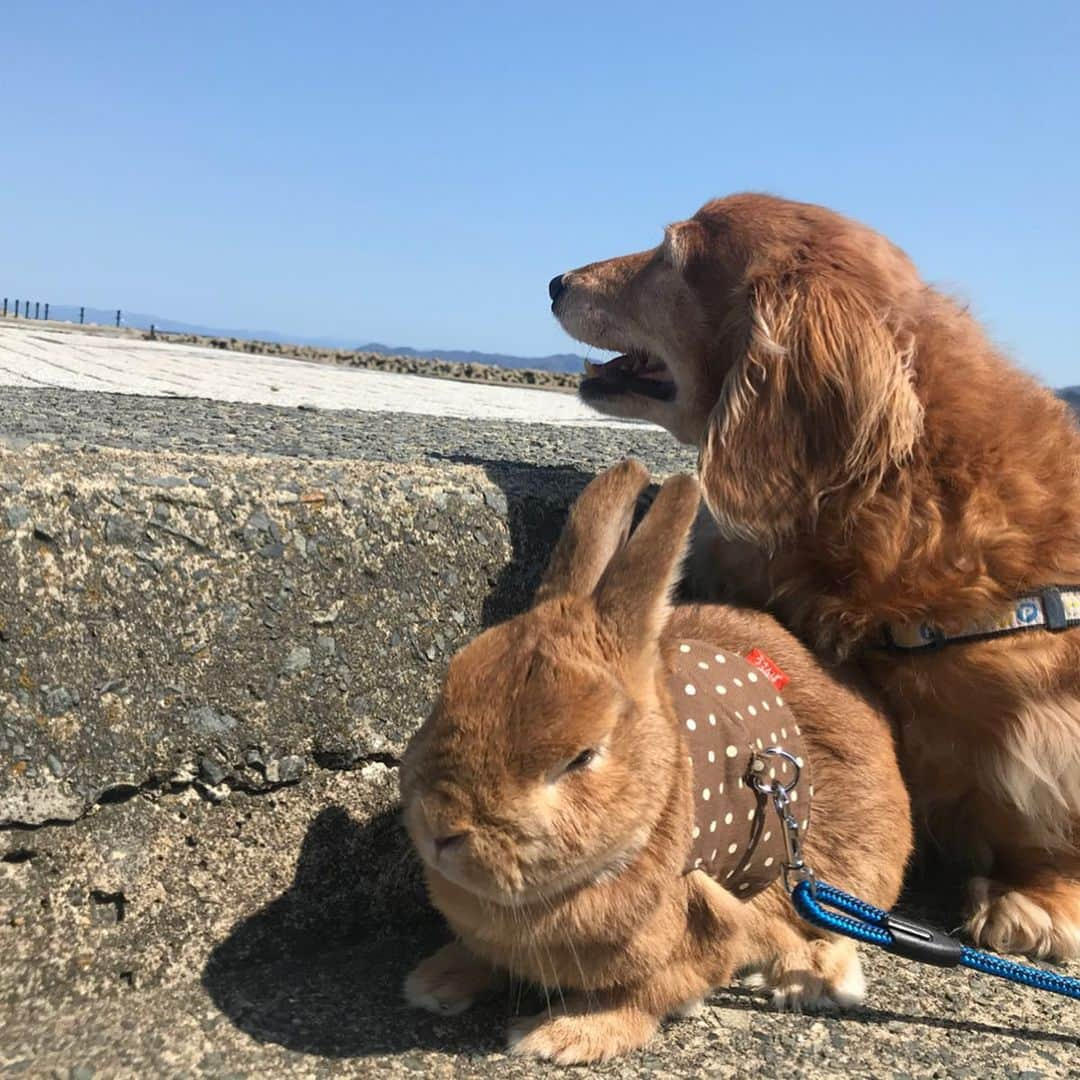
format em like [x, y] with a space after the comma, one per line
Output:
[414, 173]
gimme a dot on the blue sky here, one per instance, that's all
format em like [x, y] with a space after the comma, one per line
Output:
[415, 173]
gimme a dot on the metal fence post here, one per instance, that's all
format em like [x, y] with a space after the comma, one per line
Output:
[5, 307]
[82, 312]
[118, 318]
[37, 309]
[16, 309]
[46, 311]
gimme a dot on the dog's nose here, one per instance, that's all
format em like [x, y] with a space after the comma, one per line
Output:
[445, 843]
[556, 287]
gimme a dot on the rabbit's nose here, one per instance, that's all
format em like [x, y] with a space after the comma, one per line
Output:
[448, 842]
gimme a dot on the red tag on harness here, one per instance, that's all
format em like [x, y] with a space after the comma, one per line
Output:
[771, 672]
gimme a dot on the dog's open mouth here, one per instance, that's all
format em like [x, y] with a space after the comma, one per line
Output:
[635, 372]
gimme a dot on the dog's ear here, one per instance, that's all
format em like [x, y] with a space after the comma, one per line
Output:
[596, 527]
[683, 241]
[819, 402]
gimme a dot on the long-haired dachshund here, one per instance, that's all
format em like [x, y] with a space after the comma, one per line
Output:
[916, 496]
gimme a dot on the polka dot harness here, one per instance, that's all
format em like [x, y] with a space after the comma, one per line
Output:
[729, 712]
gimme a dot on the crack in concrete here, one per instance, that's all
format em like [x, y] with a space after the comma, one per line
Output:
[184, 780]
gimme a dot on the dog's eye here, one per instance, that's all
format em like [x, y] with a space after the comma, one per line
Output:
[581, 760]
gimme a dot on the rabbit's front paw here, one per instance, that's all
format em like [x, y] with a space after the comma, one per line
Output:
[448, 981]
[578, 1037]
[825, 977]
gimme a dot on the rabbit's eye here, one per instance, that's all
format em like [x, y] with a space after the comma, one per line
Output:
[581, 760]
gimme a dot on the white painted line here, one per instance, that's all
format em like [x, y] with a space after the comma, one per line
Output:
[75, 360]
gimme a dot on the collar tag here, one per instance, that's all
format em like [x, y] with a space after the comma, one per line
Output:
[768, 668]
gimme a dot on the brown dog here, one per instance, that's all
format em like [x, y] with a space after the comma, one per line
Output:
[907, 483]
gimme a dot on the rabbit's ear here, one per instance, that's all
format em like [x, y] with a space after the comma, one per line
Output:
[596, 527]
[634, 593]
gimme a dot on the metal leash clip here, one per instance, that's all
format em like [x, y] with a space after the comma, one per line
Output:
[794, 867]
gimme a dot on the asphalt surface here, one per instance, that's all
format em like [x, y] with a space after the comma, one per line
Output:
[77, 419]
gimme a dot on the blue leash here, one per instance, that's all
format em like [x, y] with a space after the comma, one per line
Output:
[905, 937]
[871, 925]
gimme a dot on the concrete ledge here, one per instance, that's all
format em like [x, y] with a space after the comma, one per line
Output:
[233, 622]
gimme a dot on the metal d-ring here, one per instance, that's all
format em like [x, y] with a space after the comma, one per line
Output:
[757, 771]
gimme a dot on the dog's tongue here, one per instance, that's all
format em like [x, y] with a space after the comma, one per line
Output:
[610, 367]
[637, 365]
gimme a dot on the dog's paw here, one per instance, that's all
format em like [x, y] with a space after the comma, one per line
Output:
[448, 982]
[1043, 921]
[578, 1038]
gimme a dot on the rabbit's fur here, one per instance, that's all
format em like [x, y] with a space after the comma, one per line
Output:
[568, 871]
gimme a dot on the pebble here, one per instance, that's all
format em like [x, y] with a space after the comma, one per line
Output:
[213, 772]
[290, 767]
[16, 515]
[58, 701]
[328, 617]
[298, 659]
[258, 521]
[209, 722]
[120, 530]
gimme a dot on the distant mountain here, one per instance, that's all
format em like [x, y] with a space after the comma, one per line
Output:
[1072, 395]
[560, 362]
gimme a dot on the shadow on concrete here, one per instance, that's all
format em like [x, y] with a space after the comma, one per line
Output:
[538, 498]
[741, 1000]
[319, 970]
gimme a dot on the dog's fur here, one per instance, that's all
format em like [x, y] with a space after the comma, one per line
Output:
[857, 427]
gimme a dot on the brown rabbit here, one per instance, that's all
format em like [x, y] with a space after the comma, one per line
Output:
[556, 800]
